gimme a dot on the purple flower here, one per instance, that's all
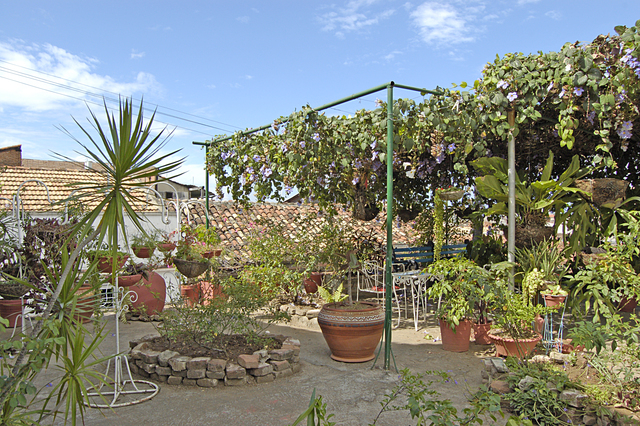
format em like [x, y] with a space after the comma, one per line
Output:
[440, 158]
[627, 125]
[225, 155]
[512, 96]
[284, 148]
[578, 91]
[266, 171]
[316, 137]
[374, 157]
[502, 84]
[591, 116]
[355, 180]
[287, 189]
[624, 134]
[379, 103]
[550, 86]
[250, 170]
[561, 93]
[256, 158]
[357, 164]
[374, 144]
[302, 144]
[452, 147]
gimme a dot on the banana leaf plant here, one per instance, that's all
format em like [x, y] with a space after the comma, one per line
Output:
[536, 200]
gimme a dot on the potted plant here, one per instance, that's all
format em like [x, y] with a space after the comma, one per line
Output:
[104, 259]
[554, 295]
[457, 290]
[512, 332]
[143, 245]
[132, 273]
[166, 244]
[208, 237]
[12, 293]
[188, 257]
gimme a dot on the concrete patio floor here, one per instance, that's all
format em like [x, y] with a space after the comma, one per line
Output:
[352, 391]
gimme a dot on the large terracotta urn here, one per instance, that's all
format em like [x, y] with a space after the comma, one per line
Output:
[352, 331]
[455, 340]
[151, 293]
[12, 311]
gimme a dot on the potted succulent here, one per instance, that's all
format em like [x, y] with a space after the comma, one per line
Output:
[457, 290]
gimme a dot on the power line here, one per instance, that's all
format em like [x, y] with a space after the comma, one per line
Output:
[71, 88]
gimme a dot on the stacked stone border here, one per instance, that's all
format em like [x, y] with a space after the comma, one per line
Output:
[174, 369]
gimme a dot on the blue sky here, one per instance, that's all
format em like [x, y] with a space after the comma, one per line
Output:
[214, 67]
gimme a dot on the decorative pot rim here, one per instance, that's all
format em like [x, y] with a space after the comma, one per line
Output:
[332, 307]
[510, 339]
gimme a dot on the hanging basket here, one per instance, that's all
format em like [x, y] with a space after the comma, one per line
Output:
[528, 236]
[190, 268]
[408, 215]
[362, 210]
[605, 192]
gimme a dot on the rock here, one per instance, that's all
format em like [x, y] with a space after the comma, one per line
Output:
[500, 387]
[296, 368]
[136, 352]
[179, 363]
[149, 356]
[135, 342]
[163, 371]
[280, 365]
[174, 380]
[540, 359]
[263, 355]
[292, 342]
[499, 364]
[249, 361]
[559, 358]
[284, 373]
[281, 354]
[198, 363]
[489, 367]
[207, 383]
[234, 371]
[216, 365]
[266, 378]
[262, 370]
[196, 374]
[526, 383]
[165, 356]
[215, 375]
[295, 349]
[313, 313]
[484, 374]
[189, 382]
[572, 397]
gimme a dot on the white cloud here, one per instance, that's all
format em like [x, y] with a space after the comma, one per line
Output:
[47, 78]
[443, 23]
[243, 19]
[392, 55]
[523, 2]
[136, 55]
[211, 86]
[352, 17]
[248, 77]
[554, 14]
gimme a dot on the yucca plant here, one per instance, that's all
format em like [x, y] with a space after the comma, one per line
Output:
[127, 155]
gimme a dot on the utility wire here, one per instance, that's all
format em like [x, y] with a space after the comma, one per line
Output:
[71, 88]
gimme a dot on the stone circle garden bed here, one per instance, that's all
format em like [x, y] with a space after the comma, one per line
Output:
[151, 359]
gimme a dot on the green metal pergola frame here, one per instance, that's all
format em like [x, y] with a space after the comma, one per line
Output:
[389, 87]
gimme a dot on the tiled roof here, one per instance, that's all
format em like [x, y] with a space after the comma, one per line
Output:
[34, 195]
[235, 223]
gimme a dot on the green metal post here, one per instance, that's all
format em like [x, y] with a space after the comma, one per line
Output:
[206, 187]
[389, 281]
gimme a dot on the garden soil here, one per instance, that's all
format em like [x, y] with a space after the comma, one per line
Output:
[352, 392]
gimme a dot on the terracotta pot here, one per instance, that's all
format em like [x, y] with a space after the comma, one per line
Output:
[212, 253]
[85, 305]
[481, 333]
[455, 341]
[143, 252]
[166, 246]
[210, 291]
[554, 300]
[150, 293]
[351, 333]
[506, 346]
[190, 268]
[105, 264]
[627, 305]
[127, 280]
[190, 294]
[11, 310]
[312, 283]
[538, 324]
